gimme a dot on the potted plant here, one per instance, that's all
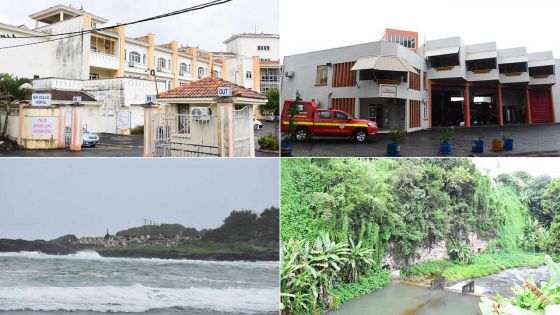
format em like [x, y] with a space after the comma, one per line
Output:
[508, 142]
[446, 135]
[477, 145]
[286, 146]
[498, 144]
[394, 147]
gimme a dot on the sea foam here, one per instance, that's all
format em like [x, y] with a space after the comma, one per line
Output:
[138, 298]
[92, 255]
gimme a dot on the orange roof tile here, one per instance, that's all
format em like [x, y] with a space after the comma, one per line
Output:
[208, 87]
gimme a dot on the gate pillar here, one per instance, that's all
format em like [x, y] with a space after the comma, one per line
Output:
[22, 108]
[225, 107]
[76, 133]
[149, 110]
[61, 138]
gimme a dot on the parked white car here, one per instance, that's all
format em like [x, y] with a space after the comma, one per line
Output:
[257, 124]
[89, 139]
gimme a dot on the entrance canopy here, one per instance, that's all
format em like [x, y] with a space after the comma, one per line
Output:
[383, 63]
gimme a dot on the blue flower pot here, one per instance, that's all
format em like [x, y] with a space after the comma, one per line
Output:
[445, 147]
[477, 146]
[286, 149]
[508, 144]
[394, 149]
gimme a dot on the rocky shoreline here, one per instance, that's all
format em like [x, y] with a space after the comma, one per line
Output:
[49, 248]
[135, 253]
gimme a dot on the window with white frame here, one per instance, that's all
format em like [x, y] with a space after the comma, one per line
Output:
[93, 76]
[183, 69]
[263, 48]
[200, 72]
[248, 75]
[425, 111]
[134, 57]
[215, 74]
[144, 59]
[161, 64]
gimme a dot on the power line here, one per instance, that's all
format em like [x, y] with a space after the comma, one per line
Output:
[82, 32]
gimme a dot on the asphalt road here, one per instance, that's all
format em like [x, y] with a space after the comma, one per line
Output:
[529, 140]
[121, 146]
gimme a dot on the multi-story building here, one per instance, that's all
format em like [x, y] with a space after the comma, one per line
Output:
[443, 82]
[113, 67]
[253, 61]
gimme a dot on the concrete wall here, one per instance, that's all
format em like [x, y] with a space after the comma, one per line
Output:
[248, 47]
[71, 55]
[305, 69]
[556, 95]
[25, 62]
[459, 71]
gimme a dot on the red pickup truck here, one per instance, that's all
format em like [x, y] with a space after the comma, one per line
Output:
[311, 121]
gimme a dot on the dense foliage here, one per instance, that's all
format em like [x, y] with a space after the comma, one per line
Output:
[314, 273]
[65, 239]
[246, 225]
[166, 230]
[399, 205]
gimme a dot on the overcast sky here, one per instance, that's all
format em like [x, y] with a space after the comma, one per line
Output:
[206, 28]
[47, 198]
[532, 165]
[321, 24]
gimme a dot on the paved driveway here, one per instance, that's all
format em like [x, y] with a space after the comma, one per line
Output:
[529, 140]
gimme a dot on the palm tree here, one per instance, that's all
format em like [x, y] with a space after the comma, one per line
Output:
[11, 90]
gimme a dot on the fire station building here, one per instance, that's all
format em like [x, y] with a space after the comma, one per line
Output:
[444, 82]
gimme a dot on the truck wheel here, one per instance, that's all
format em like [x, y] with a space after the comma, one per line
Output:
[301, 134]
[360, 135]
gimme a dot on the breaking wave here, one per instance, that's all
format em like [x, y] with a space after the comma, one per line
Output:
[138, 298]
[92, 255]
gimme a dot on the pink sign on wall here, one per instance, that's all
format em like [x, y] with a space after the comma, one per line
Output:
[42, 126]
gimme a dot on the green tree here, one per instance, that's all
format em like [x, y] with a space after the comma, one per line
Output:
[532, 197]
[240, 226]
[12, 89]
[268, 225]
[550, 203]
[273, 103]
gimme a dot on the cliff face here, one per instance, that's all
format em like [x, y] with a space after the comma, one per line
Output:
[425, 253]
[7, 245]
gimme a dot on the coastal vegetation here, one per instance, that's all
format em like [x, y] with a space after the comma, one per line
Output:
[396, 207]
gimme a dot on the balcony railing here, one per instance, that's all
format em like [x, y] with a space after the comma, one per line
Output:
[104, 61]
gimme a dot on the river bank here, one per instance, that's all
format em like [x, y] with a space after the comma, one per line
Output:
[213, 252]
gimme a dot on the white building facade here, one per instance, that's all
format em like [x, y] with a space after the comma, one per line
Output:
[400, 84]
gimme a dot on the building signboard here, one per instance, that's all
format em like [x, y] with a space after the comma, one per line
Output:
[123, 120]
[386, 90]
[224, 92]
[42, 126]
[40, 99]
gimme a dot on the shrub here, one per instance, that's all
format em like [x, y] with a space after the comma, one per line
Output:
[138, 130]
[460, 252]
[269, 142]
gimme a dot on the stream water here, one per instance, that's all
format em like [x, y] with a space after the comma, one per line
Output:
[403, 299]
[503, 282]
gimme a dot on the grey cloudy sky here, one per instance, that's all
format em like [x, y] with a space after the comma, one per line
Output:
[206, 28]
[532, 165]
[47, 198]
[334, 23]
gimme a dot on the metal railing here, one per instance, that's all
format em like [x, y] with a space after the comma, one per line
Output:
[184, 135]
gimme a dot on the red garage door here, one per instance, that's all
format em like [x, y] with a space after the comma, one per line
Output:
[541, 106]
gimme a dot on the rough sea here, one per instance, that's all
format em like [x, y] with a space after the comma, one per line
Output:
[86, 283]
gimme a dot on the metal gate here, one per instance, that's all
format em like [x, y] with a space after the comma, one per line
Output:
[184, 135]
[67, 126]
[242, 127]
